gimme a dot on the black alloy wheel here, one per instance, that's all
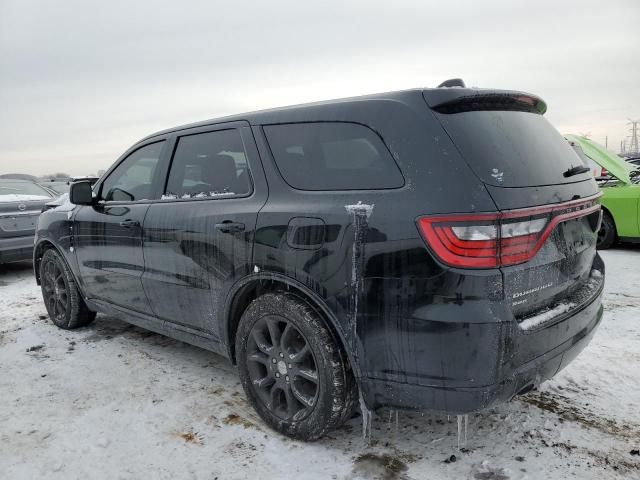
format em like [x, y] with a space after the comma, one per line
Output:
[294, 372]
[607, 234]
[54, 290]
[62, 299]
[282, 368]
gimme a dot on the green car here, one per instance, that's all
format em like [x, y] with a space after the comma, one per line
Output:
[620, 186]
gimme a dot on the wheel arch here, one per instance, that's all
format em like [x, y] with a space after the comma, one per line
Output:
[251, 287]
[38, 251]
[606, 211]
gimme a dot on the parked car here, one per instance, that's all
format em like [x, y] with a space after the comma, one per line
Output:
[57, 187]
[424, 249]
[634, 160]
[20, 204]
[19, 176]
[621, 192]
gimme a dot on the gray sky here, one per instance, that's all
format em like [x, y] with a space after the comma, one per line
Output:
[80, 81]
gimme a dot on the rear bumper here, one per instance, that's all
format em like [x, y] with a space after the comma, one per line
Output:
[15, 249]
[454, 396]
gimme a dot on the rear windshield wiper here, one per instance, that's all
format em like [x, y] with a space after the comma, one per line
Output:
[576, 171]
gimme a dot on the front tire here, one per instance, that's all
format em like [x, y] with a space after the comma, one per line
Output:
[293, 372]
[607, 234]
[61, 296]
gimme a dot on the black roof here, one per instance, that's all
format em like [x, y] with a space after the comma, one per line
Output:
[289, 113]
[327, 111]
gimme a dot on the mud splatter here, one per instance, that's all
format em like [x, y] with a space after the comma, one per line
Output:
[192, 437]
[233, 419]
[381, 466]
[565, 409]
[616, 300]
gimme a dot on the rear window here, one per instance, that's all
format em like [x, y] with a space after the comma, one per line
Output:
[595, 168]
[7, 187]
[512, 149]
[332, 156]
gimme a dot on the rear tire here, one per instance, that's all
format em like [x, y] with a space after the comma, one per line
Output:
[61, 296]
[293, 372]
[607, 234]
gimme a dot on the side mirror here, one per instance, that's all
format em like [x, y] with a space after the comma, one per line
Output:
[80, 193]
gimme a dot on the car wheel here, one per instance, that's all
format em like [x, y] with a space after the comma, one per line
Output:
[293, 371]
[62, 299]
[607, 234]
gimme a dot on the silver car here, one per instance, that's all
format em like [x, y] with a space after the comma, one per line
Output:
[21, 202]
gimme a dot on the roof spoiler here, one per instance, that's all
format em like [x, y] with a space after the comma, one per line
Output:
[445, 99]
[453, 82]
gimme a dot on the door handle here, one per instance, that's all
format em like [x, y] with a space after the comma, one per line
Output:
[129, 223]
[230, 227]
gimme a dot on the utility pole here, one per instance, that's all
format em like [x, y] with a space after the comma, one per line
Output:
[633, 136]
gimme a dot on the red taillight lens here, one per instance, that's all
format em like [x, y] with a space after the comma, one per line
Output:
[489, 240]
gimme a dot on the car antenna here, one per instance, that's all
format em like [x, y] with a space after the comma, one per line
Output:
[452, 82]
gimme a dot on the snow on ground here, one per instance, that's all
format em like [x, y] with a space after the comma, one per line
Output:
[114, 401]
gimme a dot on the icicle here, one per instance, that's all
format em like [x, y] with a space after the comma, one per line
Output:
[460, 418]
[466, 423]
[366, 420]
[391, 415]
[396, 421]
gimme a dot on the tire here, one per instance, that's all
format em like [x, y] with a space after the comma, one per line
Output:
[293, 371]
[61, 296]
[607, 234]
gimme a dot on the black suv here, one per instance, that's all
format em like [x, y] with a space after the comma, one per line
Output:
[424, 249]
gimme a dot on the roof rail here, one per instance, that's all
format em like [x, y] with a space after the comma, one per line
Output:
[452, 82]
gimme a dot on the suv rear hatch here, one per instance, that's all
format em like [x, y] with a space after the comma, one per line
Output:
[543, 237]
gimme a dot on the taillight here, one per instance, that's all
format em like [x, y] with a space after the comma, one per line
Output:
[603, 172]
[490, 240]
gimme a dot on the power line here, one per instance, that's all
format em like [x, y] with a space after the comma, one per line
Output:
[633, 136]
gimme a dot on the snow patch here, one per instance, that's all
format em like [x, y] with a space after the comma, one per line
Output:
[543, 317]
[360, 208]
[187, 196]
[497, 174]
[18, 197]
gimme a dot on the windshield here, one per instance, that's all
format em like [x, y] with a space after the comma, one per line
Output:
[512, 149]
[10, 188]
[59, 187]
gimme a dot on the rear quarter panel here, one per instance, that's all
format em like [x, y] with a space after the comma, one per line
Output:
[375, 273]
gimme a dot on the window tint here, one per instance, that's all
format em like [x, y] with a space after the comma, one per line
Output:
[131, 180]
[332, 156]
[212, 164]
[511, 149]
[595, 168]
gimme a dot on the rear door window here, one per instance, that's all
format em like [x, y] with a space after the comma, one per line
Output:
[209, 165]
[332, 156]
